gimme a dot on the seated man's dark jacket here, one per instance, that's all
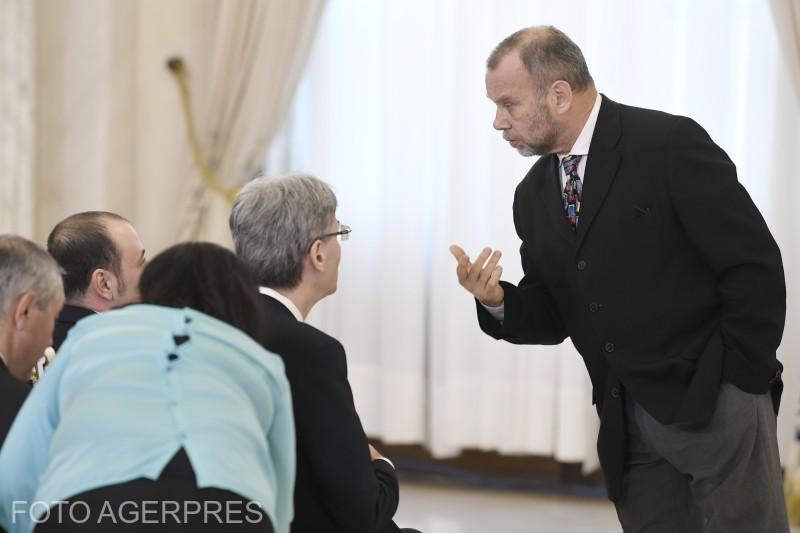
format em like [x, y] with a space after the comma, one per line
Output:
[338, 489]
[12, 395]
[68, 317]
[671, 285]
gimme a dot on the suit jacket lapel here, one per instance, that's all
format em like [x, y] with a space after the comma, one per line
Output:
[601, 166]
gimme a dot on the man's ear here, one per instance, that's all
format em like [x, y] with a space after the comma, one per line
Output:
[561, 96]
[102, 282]
[21, 309]
[316, 256]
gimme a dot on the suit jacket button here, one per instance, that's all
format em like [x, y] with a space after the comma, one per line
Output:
[609, 347]
[615, 392]
[581, 265]
[594, 307]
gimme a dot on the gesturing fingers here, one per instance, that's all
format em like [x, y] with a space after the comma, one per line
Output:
[463, 269]
[481, 277]
[462, 263]
[476, 269]
[457, 251]
[489, 269]
[494, 279]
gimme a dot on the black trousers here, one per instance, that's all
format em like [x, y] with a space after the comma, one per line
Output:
[172, 503]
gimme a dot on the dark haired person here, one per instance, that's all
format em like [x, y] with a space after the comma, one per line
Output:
[673, 293]
[164, 415]
[102, 257]
[286, 231]
[30, 299]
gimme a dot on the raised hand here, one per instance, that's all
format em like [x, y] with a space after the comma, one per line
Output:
[481, 278]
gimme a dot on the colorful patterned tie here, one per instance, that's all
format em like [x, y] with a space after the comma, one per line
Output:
[573, 189]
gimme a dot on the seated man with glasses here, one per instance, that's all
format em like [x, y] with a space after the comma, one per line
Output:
[286, 231]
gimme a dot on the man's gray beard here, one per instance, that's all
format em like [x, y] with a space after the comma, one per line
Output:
[526, 151]
[543, 148]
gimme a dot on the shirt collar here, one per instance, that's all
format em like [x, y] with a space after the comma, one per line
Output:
[584, 140]
[3, 359]
[272, 293]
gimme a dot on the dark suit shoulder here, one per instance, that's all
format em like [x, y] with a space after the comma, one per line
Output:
[300, 344]
[296, 336]
[67, 318]
[12, 396]
[641, 125]
[666, 140]
[12, 389]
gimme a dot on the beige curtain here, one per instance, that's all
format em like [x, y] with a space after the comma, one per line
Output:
[16, 117]
[786, 15]
[110, 132]
[243, 77]
[85, 133]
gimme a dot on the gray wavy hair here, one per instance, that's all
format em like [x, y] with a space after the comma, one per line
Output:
[25, 266]
[274, 222]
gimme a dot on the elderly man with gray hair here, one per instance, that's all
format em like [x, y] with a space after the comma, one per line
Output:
[286, 231]
[641, 246]
[31, 297]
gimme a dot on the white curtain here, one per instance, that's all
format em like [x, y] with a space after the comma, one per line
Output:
[16, 117]
[393, 113]
[787, 19]
[110, 132]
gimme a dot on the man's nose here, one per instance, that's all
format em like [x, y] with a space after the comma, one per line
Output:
[500, 120]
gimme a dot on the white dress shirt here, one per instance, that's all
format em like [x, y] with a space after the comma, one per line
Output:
[582, 144]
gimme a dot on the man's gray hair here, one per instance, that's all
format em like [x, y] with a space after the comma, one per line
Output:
[274, 222]
[548, 54]
[25, 266]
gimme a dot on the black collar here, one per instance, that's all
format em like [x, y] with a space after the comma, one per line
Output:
[70, 314]
[275, 306]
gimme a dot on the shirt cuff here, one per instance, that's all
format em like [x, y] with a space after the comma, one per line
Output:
[387, 460]
[498, 313]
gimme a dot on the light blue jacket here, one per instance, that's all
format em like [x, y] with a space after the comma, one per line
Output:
[124, 395]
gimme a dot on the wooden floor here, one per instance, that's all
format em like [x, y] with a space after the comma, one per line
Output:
[435, 509]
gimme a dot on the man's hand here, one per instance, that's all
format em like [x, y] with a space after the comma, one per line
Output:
[374, 454]
[481, 278]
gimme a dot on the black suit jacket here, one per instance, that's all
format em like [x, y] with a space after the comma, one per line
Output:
[671, 285]
[338, 488]
[68, 317]
[12, 396]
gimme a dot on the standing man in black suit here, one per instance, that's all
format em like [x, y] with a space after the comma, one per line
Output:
[102, 258]
[286, 230]
[640, 245]
[30, 299]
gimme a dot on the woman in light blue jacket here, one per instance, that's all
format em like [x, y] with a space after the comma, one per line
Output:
[159, 416]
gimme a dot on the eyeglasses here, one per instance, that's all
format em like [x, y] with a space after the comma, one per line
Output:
[342, 235]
